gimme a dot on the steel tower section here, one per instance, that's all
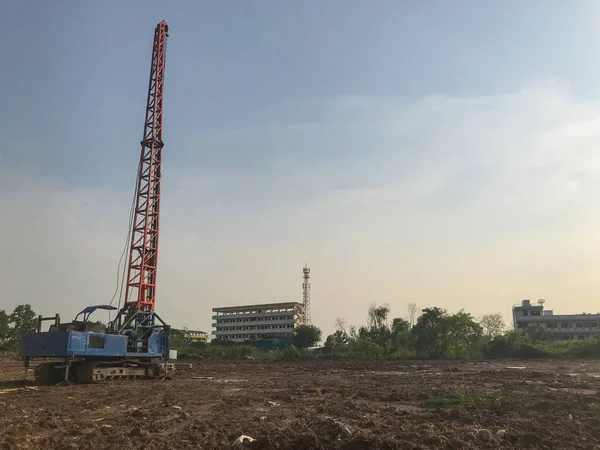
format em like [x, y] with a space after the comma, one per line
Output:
[306, 295]
[143, 256]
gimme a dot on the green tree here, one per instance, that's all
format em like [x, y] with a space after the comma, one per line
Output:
[23, 319]
[337, 340]
[361, 341]
[493, 325]
[438, 334]
[430, 333]
[306, 336]
[464, 335]
[399, 331]
[378, 330]
[378, 317]
[4, 326]
[399, 325]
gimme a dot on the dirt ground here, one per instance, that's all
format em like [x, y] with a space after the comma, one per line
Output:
[314, 404]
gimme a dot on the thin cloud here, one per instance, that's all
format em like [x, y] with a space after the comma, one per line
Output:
[433, 200]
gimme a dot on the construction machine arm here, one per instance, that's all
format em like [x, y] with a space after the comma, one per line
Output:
[140, 292]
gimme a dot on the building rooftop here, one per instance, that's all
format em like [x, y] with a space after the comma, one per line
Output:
[559, 317]
[185, 330]
[259, 305]
[528, 312]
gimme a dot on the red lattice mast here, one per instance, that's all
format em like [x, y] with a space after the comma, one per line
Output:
[143, 257]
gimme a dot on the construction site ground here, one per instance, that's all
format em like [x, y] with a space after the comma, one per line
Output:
[313, 404]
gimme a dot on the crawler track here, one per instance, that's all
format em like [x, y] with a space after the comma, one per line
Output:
[49, 373]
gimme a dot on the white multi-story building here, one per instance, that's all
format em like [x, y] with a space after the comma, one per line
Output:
[243, 323]
[560, 327]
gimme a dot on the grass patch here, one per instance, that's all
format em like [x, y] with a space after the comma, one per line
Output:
[465, 400]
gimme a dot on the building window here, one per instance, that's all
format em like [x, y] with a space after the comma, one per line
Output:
[565, 325]
[579, 325]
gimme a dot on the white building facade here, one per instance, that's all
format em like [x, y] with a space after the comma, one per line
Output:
[560, 327]
[251, 322]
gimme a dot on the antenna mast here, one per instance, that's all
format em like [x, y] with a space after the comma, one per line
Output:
[306, 295]
[140, 292]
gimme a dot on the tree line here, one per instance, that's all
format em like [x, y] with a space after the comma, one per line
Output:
[428, 333]
[14, 325]
[436, 333]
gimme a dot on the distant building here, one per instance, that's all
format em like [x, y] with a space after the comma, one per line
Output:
[190, 336]
[251, 322]
[560, 327]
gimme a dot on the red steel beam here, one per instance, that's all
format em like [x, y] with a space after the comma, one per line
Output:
[143, 253]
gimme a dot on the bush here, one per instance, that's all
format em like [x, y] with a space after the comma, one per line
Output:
[514, 344]
[585, 348]
[530, 351]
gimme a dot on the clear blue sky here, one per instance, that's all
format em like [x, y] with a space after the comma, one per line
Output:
[311, 114]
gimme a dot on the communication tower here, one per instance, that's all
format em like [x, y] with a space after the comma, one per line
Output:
[306, 295]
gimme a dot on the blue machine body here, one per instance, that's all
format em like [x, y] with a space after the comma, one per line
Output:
[138, 335]
[60, 344]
